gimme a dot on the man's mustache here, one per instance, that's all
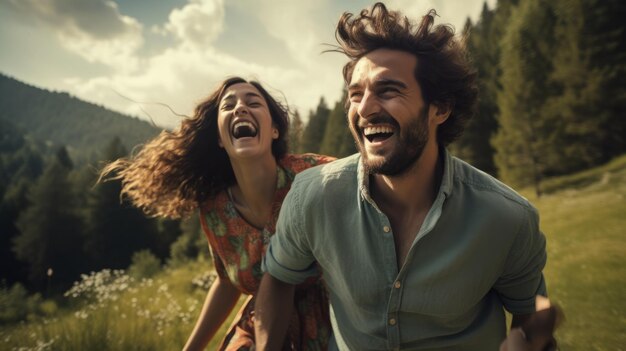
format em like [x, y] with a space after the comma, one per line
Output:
[380, 118]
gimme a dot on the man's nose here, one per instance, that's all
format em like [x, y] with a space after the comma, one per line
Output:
[369, 105]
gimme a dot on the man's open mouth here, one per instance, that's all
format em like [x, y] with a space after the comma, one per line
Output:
[244, 129]
[377, 133]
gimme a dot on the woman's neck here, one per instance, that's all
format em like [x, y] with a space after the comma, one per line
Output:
[253, 193]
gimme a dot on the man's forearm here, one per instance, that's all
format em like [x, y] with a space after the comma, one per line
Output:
[273, 307]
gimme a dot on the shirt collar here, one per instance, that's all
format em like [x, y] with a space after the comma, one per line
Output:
[446, 180]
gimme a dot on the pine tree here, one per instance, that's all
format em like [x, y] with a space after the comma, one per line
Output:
[168, 230]
[115, 230]
[563, 65]
[524, 142]
[348, 145]
[50, 229]
[296, 129]
[588, 65]
[20, 166]
[14, 201]
[474, 146]
[337, 131]
[315, 129]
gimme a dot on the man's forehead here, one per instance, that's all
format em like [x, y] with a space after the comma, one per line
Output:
[384, 64]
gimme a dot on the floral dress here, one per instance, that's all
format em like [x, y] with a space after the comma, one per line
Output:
[238, 247]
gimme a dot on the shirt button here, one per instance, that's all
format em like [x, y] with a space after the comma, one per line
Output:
[386, 229]
[397, 284]
[392, 321]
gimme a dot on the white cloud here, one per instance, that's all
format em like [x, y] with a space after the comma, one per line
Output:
[454, 12]
[292, 23]
[187, 70]
[93, 29]
[179, 77]
[182, 75]
[198, 23]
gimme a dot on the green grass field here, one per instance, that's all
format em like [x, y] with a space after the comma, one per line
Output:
[582, 215]
[584, 219]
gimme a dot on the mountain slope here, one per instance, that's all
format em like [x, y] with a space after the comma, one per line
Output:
[60, 119]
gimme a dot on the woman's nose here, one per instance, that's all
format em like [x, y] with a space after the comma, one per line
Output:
[240, 109]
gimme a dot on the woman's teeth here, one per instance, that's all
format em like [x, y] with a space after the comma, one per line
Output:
[244, 129]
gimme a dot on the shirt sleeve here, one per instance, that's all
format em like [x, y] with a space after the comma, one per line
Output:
[522, 278]
[289, 257]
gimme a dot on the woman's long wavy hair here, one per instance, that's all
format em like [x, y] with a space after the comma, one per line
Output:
[443, 71]
[177, 171]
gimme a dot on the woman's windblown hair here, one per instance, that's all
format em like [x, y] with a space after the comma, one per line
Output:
[178, 170]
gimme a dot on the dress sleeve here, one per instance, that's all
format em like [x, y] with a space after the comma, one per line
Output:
[300, 162]
[289, 257]
[215, 256]
[218, 264]
[522, 277]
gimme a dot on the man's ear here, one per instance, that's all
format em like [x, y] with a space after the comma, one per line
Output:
[438, 112]
[219, 142]
[275, 133]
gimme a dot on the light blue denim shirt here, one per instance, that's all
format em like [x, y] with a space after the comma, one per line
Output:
[479, 249]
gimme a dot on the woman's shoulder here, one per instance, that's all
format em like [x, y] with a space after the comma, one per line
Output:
[215, 203]
[299, 162]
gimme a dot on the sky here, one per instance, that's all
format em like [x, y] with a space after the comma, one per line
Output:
[135, 56]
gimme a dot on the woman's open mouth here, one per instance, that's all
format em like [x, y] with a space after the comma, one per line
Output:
[244, 129]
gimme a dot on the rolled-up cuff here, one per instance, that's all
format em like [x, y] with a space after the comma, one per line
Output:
[527, 305]
[272, 266]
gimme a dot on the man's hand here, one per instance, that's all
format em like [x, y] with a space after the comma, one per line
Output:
[536, 333]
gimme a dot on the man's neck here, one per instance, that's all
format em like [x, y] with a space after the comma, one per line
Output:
[407, 198]
[413, 190]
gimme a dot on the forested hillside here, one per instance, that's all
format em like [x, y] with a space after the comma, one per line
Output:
[62, 119]
[55, 221]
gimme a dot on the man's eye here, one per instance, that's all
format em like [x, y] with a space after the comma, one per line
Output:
[387, 91]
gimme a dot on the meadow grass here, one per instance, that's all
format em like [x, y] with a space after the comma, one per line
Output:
[583, 216]
[113, 311]
[584, 220]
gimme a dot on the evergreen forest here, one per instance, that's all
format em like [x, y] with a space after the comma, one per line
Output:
[550, 122]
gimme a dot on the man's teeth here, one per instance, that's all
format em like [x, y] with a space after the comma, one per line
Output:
[376, 130]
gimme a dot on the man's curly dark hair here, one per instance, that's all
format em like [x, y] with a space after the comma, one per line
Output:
[443, 70]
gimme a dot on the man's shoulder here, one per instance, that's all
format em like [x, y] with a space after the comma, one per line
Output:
[328, 173]
[492, 189]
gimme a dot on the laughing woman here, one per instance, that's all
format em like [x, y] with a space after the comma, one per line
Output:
[229, 163]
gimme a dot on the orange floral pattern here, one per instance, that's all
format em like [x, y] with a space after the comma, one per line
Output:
[238, 248]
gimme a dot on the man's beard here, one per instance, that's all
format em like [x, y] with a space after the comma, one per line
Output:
[408, 149]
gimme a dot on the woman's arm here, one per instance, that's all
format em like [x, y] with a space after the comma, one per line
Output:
[273, 307]
[219, 302]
